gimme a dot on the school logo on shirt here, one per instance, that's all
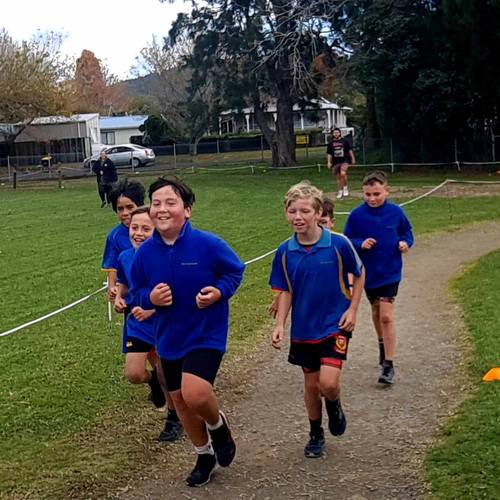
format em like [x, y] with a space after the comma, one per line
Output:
[340, 344]
[129, 343]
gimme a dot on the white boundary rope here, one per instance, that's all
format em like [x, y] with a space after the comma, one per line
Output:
[53, 313]
[248, 262]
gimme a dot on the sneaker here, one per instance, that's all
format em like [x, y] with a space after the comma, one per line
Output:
[157, 395]
[336, 417]
[223, 443]
[103, 204]
[340, 194]
[315, 445]
[171, 432]
[345, 191]
[206, 463]
[381, 357]
[387, 375]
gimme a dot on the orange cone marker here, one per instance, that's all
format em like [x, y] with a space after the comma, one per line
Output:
[493, 374]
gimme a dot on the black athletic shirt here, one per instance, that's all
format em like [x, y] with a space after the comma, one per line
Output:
[339, 149]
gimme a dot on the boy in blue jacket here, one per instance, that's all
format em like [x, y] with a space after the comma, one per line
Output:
[188, 277]
[125, 198]
[138, 330]
[381, 232]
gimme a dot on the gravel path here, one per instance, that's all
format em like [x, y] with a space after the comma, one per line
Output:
[381, 454]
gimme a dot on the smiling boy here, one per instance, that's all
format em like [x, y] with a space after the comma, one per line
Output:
[188, 276]
[311, 272]
[381, 233]
[125, 198]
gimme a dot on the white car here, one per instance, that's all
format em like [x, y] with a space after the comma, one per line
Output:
[125, 154]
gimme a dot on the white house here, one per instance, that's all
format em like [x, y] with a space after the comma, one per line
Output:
[121, 129]
[320, 113]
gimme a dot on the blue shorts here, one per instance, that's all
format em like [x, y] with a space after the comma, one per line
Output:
[134, 344]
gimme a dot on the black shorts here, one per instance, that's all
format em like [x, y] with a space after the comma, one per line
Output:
[384, 293]
[310, 356]
[133, 344]
[203, 363]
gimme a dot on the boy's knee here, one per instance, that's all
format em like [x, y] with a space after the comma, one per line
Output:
[329, 386]
[386, 318]
[196, 397]
[136, 376]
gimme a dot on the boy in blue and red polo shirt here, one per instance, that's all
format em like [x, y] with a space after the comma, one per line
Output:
[188, 276]
[311, 272]
[381, 233]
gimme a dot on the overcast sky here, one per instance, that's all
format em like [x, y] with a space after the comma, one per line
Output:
[115, 30]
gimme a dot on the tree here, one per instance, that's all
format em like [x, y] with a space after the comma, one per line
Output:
[186, 111]
[256, 52]
[96, 89]
[33, 80]
[425, 66]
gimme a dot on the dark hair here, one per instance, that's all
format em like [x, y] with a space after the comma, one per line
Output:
[140, 210]
[375, 177]
[129, 189]
[327, 208]
[179, 187]
[336, 128]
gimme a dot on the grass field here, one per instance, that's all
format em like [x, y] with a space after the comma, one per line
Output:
[62, 395]
[466, 463]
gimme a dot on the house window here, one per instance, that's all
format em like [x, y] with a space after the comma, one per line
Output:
[108, 138]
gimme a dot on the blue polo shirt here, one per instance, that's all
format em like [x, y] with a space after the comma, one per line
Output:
[116, 242]
[388, 225]
[317, 279]
[143, 330]
[195, 260]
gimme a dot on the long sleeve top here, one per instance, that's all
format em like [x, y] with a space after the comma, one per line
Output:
[388, 225]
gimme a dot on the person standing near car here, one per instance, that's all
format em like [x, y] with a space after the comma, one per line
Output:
[105, 171]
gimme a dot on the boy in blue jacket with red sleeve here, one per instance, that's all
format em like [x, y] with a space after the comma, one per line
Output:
[188, 276]
[381, 233]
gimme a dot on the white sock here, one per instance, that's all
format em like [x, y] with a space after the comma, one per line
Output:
[205, 449]
[219, 423]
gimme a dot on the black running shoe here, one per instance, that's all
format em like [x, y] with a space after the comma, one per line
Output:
[157, 395]
[203, 470]
[315, 445]
[387, 375]
[171, 432]
[223, 443]
[336, 418]
[103, 204]
[381, 357]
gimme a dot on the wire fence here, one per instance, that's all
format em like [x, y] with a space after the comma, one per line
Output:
[248, 262]
[58, 175]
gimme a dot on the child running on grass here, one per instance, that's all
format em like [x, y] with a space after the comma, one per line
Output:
[327, 220]
[381, 232]
[138, 331]
[188, 276]
[125, 198]
[310, 270]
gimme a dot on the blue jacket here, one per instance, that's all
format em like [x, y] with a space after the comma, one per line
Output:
[388, 225]
[116, 242]
[143, 330]
[195, 260]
